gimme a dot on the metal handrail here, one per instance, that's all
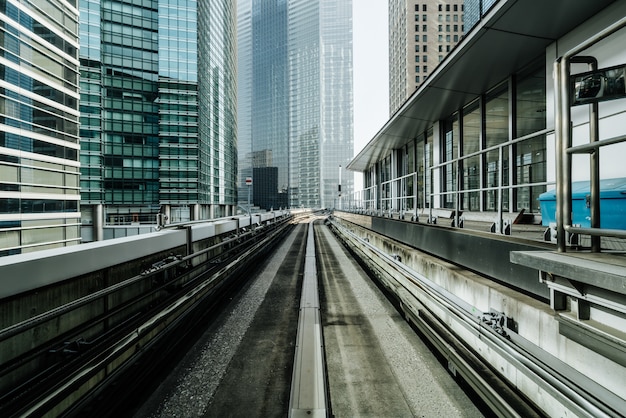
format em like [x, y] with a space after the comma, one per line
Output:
[564, 148]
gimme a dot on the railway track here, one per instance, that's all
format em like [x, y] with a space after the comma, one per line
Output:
[80, 370]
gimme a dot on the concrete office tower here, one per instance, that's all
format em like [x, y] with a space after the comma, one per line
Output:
[300, 106]
[158, 113]
[39, 146]
[421, 34]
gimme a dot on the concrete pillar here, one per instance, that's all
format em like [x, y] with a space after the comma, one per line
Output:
[167, 210]
[98, 222]
[194, 212]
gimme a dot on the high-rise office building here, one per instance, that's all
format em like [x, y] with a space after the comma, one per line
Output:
[158, 111]
[299, 110]
[421, 34]
[39, 115]
[475, 10]
[244, 100]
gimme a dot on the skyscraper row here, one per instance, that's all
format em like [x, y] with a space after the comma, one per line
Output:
[296, 120]
[121, 113]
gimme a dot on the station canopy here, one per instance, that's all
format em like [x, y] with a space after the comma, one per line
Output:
[510, 36]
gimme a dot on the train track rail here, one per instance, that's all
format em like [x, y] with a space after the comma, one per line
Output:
[462, 334]
[78, 368]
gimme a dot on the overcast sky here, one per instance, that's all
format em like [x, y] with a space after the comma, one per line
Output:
[371, 85]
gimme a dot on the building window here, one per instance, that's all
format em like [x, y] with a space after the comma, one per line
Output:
[456, 28]
[456, 8]
[417, 48]
[417, 28]
[449, 151]
[456, 18]
[424, 28]
[417, 78]
[440, 58]
[447, 38]
[447, 7]
[417, 18]
[447, 48]
[424, 7]
[425, 69]
[440, 38]
[440, 18]
[456, 38]
[447, 28]
[470, 166]
[424, 48]
[440, 48]
[417, 38]
[417, 68]
[440, 28]
[440, 8]
[425, 58]
[424, 18]
[424, 38]
[417, 58]
[417, 7]
[496, 121]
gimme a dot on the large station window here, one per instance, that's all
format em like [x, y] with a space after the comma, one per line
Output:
[450, 151]
[470, 164]
[495, 157]
[530, 154]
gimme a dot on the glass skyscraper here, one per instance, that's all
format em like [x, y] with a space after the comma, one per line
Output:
[475, 10]
[158, 111]
[39, 115]
[300, 108]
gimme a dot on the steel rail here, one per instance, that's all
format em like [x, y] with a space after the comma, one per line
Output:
[555, 380]
[131, 342]
[30, 323]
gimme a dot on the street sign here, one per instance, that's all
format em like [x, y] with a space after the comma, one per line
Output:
[248, 181]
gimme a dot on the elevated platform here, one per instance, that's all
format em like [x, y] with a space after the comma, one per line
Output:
[604, 270]
[588, 292]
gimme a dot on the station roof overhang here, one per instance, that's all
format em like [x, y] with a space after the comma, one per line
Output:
[510, 36]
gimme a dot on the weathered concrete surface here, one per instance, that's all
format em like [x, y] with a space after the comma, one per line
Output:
[377, 364]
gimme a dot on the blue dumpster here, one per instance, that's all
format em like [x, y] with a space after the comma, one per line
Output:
[612, 204]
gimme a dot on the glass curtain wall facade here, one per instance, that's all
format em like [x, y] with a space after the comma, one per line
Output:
[305, 112]
[270, 103]
[492, 156]
[155, 139]
[336, 123]
[321, 116]
[178, 108]
[217, 97]
[475, 10]
[298, 117]
[39, 115]
[119, 113]
[244, 100]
